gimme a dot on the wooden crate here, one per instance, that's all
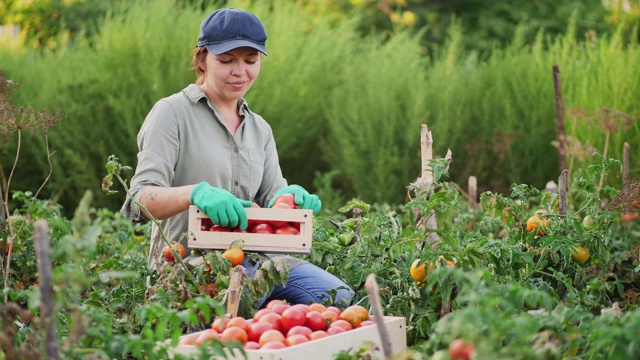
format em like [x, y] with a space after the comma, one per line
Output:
[270, 243]
[326, 348]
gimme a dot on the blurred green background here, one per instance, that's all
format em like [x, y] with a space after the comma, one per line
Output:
[346, 87]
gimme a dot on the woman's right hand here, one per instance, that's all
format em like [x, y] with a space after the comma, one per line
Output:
[220, 205]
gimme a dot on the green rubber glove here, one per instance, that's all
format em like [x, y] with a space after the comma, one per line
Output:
[303, 199]
[220, 205]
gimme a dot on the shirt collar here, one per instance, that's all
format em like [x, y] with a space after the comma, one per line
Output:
[195, 94]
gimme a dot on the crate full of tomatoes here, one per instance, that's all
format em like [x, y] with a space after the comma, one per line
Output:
[279, 229]
[282, 331]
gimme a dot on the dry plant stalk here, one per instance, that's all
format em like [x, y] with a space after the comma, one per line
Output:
[15, 120]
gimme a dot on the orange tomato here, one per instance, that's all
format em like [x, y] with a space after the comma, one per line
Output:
[352, 317]
[318, 335]
[273, 345]
[296, 339]
[329, 316]
[238, 321]
[219, 324]
[317, 307]
[537, 223]
[361, 310]
[342, 324]
[235, 255]
[206, 336]
[270, 336]
[580, 254]
[629, 217]
[234, 333]
[418, 273]
[8, 244]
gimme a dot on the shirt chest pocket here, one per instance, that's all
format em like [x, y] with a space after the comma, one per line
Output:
[252, 170]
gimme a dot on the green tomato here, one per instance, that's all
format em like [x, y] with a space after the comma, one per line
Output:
[588, 223]
[345, 239]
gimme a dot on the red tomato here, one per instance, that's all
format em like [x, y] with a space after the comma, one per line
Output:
[315, 321]
[280, 308]
[210, 289]
[263, 228]
[288, 199]
[274, 319]
[335, 330]
[220, 228]
[280, 223]
[287, 230]
[206, 336]
[318, 335]
[304, 307]
[273, 345]
[292, 317]
[269, 336]
[257, 329]
[460, 350]
[259, 313]
[234, 334]
[299, 330]
[271, 303]
[168, 254]
[296, 339]
[251, 345]
[341, 323]
[367, 323]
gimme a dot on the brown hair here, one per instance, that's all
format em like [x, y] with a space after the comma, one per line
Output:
[199, 55]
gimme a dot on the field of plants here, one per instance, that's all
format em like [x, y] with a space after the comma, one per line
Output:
[505, 284]
[520, 271]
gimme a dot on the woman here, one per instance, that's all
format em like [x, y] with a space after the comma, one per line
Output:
[203, 146]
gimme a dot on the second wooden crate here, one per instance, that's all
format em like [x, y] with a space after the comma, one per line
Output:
[270, 243]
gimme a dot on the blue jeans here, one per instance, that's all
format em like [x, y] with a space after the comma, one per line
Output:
[307, 284]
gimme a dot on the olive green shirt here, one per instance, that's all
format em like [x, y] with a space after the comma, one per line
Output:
[184, 141]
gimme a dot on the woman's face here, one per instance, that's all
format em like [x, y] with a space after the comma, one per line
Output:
[228, 76]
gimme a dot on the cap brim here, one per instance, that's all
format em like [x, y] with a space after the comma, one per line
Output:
[221, 48]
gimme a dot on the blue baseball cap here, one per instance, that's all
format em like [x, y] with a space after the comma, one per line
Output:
[227, 29]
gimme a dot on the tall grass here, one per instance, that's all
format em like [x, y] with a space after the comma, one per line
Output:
[339, 103]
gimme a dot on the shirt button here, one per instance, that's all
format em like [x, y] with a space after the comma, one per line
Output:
[235, 150]
[236, 183]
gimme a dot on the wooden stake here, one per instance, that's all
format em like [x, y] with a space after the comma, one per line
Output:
[371, 285]
[559, 118]
[43, 253]
[473, 192]
[562, 193]
[625, 166]
[236, 284]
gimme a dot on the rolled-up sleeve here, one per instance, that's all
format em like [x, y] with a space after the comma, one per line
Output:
[158, 144]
